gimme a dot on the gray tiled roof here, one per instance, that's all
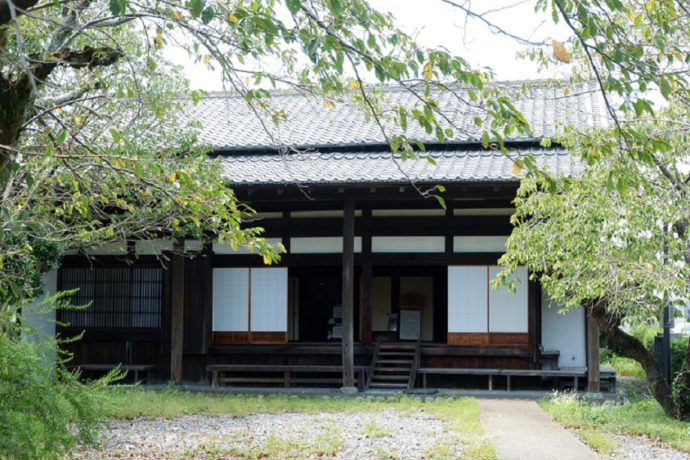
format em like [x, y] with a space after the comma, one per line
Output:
[229, 124]
[453, 166]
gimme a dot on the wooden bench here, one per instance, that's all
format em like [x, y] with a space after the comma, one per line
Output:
[282, 373]
[135, 368]
[575, 374]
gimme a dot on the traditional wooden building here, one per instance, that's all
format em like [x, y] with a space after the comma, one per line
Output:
[377, 280]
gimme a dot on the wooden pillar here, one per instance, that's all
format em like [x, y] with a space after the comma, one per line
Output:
[365, 302]
[593, 380]
[348, 295]
[177, 316]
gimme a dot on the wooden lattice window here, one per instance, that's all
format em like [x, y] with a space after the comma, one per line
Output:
[119, 297]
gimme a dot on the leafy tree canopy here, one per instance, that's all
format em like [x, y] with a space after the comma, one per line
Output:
[92, 147]
[615, 239]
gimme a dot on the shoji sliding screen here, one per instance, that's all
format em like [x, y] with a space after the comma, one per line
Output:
[249, 305]
[480, 315]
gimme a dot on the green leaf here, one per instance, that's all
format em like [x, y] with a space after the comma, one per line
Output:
[441, 201]
[117, 137]
[641, 106]
[335, 6]
[403, 120]
[118, 7]
[61, 137]
[293, 5]
[207, 15]
[196, 97]
[622, 185]
[195, 7]
[665, 87]
[485, 139]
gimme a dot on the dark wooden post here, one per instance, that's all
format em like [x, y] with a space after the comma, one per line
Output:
[348, 295]
[593, 381]
[177, 315]
[365, 302]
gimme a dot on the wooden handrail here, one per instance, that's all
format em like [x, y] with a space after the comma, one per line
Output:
[373, 363]
[415, 364]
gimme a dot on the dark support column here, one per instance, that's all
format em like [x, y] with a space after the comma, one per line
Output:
[593, 381]
[365, 302]
[534, 307]
[177, 316]
[348, 295]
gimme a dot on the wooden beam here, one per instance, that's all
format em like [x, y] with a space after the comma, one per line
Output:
[177, 317]
[533, 307]
[593, 380]
[348, 295]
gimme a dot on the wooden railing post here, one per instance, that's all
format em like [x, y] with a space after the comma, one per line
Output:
[177, 314]
[593, 380]
[348, 296]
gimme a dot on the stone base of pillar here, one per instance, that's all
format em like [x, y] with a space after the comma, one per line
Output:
[349, 390]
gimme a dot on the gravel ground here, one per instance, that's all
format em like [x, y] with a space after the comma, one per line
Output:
[384, 434]
[641, 448]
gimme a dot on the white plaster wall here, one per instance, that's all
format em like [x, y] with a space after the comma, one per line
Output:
[479, 243]
[152, 247]
[35, 314]
[563, 332]
[37, 317]
[407, 244]
[321, 245]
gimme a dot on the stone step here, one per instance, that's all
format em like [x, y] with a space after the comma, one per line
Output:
[400, 378]
[387, 385]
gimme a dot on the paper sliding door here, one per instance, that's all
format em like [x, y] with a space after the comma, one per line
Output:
[249, 305]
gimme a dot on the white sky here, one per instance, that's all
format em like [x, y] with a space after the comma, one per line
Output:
[436, 24]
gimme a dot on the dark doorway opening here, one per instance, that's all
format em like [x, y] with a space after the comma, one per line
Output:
[315, 311]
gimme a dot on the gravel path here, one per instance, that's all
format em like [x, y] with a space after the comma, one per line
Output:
[385, 434]
[641, 448]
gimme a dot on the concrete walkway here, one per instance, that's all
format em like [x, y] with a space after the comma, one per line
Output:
[521, 430]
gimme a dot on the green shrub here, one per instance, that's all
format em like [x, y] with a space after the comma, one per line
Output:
[645, 334]
[624, 366]
[44, 409]
[679, 351]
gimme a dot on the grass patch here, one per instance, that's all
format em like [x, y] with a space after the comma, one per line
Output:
[598, 441]
[442, 451]
[382, 454]
[371, 429]
[460, 414]
[326, 445]
[643, 417]
[624, 366]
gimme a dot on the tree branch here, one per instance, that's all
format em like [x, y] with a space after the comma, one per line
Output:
[20, 6]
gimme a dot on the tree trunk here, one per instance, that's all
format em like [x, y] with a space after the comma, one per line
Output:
[626, 345]
[15, 99]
